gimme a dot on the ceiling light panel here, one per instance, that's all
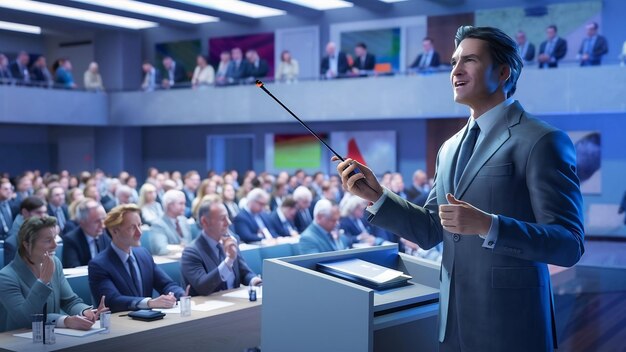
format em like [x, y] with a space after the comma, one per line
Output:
[76, 14]
[236, 7]
[322, 4]
[152, 10]
[18, 27]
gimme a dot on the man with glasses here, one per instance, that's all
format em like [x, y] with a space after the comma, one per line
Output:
[252, 224]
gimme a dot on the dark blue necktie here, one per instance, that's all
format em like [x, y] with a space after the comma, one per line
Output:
[467, 148]
[133, 274]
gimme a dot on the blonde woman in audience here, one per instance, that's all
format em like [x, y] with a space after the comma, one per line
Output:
[230, 201]
[177, 177]
[203, 74]
[207, 187]
[151, 210]
[34, 280]
[288, 68]
[74, 194]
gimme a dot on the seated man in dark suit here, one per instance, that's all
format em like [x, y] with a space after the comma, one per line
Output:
[552, 50]
[212, 262]
[417, 193]
[41, 75]
[281, 219]
[303, 197]
[30, 206]
[353, 225]
[252, 222]
[334, 64]
[593, 47]
[258, 67]
[19, 68]
[125, 272]
[7, 208]
[88, 239]
[526, 49]
[57, 206]
[364, 62]
[322, 235]
[428, 59]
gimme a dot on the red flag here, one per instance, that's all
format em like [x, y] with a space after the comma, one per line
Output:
[354, 153]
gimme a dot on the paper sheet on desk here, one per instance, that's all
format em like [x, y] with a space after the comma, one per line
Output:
[243, 293]
[65, 331]
[202, 307]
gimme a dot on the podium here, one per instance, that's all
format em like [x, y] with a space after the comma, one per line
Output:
[307, 310]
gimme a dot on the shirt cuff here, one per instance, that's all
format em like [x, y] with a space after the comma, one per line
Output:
[373, 209]
[225, 270]
[61, 321]
[143, 304]
[492, 236]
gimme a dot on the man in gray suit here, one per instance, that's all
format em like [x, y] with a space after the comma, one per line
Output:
[503, 212]
[173, 227]
[212, 261]
[321, 235]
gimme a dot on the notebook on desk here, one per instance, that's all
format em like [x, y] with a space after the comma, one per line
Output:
[365, 273]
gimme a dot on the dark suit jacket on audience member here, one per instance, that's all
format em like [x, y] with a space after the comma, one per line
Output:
[368, 64]
[558, 52]
[180, 75]
[247, 228]
[342, 64]
[530, 52]
[435, 61]
[237, 74]
[108, 277]
[16, 72]
[600, 48]
[10, 248]
[258, 72]
[301, 223]
[198, 266]
[416, 196]
[277, 226]
[76, 249]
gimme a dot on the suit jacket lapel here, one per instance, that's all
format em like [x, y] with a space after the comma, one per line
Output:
[121, 270]
[323, 238]
[448, 160]
[489, 146]
[207, 253]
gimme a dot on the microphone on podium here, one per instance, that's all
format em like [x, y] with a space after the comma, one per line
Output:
[262, 86]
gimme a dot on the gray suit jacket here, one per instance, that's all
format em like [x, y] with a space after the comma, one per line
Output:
[314, 240]
[22, 295]
[198, 266]
[524, 171]
[163, 232]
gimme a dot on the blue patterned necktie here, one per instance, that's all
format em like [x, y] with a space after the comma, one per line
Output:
[467, 148]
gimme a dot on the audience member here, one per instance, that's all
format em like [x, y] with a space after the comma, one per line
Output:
[172, 227]
[151, 210]
[41, 74]
[252, 223]
[87, 240]
[203, 74]
[364, 62]
[352, 213]
[125, 272]
[622, 56]
[593, 47]
[7, 207]
[238, 68]
[123, 195]
[19, 68]
[221, 76]
[282, 218]
[151, 77]
[622, 207]
[230, 202]
[417, 193]
[92, 79]
[189, 188]
[428, 59]
[207, 186]
[303, 198]
[5, 71]
[279, 193]
[212, 262]
[334, 64]
[288, 68]
[35, 280]
[23, 187]
[173, 73]
[525, 48]
[30, 206]
[552, 50]
[57, 206]
[63, 74]
[322, 235]
[257, 66]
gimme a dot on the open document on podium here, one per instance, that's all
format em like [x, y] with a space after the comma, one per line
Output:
[365, 273]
